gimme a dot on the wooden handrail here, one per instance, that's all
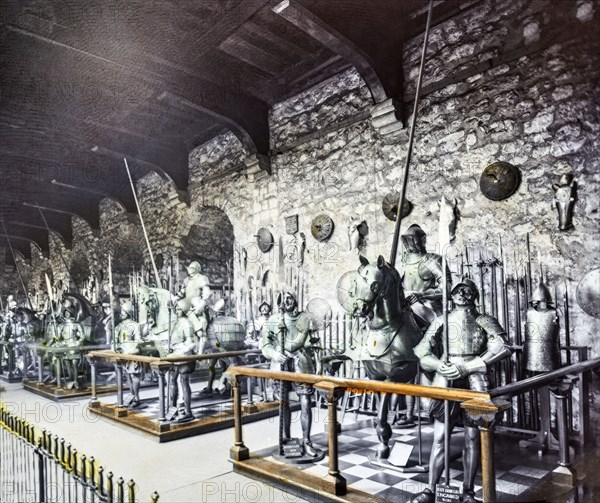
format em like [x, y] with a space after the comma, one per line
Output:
[543, 379]
[154, 360]
[454, 394]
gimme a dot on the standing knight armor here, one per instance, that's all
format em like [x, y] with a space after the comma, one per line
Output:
[285, 341]
[542, 340]
[71, 336]
[183, 342]
[475, 342]
[129, 338]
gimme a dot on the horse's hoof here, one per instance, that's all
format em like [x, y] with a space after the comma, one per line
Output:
[383, 452]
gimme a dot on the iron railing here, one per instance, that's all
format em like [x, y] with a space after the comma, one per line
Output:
[36, 466]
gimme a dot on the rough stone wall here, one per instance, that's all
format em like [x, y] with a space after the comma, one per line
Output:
[526, 94]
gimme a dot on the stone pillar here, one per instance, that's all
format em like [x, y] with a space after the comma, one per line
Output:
[257, 166]
[386, 117]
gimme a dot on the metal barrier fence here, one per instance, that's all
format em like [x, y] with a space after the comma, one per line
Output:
[36, 466]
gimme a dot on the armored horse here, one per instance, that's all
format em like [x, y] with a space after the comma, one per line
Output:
[390, 332]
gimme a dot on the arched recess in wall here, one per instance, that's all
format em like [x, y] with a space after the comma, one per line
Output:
[79, 269]
[210, 242]
[127, 255]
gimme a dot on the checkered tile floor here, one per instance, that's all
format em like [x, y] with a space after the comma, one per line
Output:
[207, 407]
[518, 473]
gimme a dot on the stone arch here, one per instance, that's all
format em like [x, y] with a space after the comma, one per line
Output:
[210, 242]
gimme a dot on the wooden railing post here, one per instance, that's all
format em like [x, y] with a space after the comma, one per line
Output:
[93, 362]
[239, 452]
[334, 482]
[40, 358]
[564, 473]
[119, 376]
[483, 414]
[160, 370]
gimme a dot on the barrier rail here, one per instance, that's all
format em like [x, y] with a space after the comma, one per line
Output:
[482, 407]
[160, 365]
[36, 466]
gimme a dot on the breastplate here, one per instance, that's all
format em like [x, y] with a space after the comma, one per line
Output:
[194, 286]
[413, 281]
[69, 332]
[465, 336]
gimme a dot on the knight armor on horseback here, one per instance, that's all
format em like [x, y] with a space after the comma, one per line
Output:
[422, 276]
[194, 285]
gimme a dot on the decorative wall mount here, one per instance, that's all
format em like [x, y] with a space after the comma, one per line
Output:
[322, 227]
[564, 200]
[499, 180]
[389, 206]
[264, 239]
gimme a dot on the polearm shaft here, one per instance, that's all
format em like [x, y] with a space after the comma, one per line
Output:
[567, 324]
[137, 205]
[529, 285]
[112, 305]
[62, 258]
[411, 138]
[17, 265]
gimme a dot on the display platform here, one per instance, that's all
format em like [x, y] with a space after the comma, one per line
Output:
[53, 392]
[522, 477]
[210, 414]
[5, 377]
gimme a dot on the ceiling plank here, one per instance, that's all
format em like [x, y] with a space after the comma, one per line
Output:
[305, 20]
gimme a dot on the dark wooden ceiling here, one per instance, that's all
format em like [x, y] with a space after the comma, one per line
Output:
[86, 83]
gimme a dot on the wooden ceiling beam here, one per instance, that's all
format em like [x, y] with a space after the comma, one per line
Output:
[307, 21]
[247, 119]
[39, 237]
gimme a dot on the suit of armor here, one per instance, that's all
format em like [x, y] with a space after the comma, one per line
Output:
[542, 339]
[183, 342]
[285, 338]
[70, 335]
[475, 342]
[128, 337]
[194, 285]
[422, 275]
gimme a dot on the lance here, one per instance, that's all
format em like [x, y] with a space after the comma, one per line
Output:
[411, 138]
[444, 242]
[504, 287]
[481, 266]
[170, 310]
[62, 258]
[529, 284]
[137, 205]
[493, 286]
[112, 305]
[567, 324]
[51, 298]
[17, 265]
